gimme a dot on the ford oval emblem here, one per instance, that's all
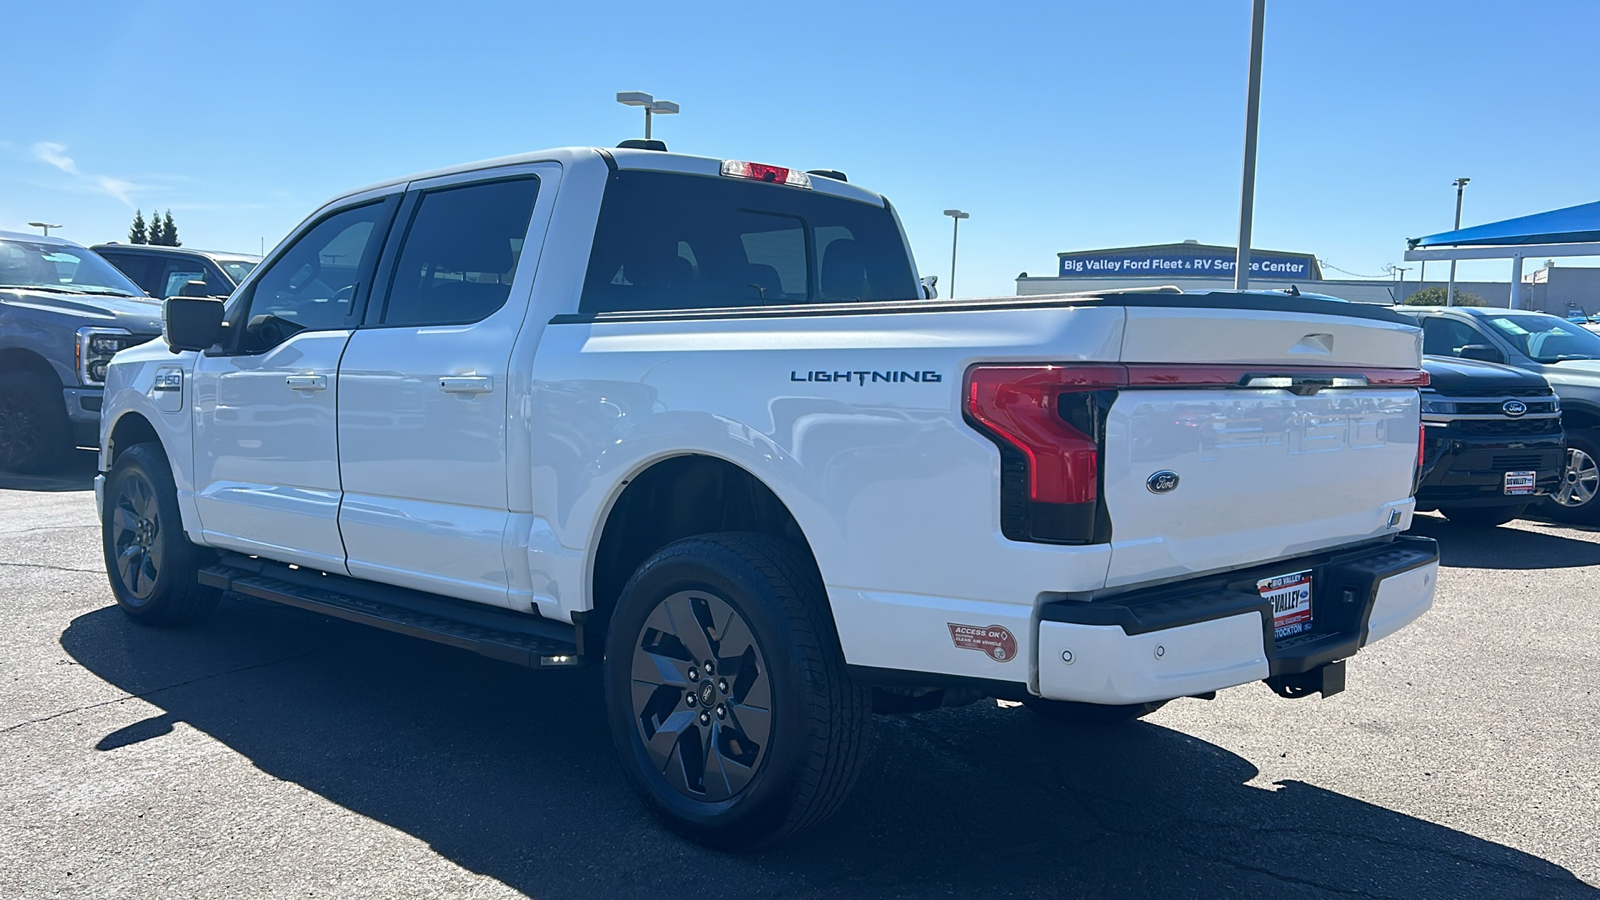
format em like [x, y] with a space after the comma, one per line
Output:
[1513, 408]
[1163, 482]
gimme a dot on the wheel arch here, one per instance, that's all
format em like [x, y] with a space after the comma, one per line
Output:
[130, 428]
[666, 499]
[21, 359]
[1580, 416]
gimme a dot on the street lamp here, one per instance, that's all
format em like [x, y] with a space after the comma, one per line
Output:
[1450, 290]
[45, 225]
[1400, 271]
[650, 104]
[1252, 118]
[956, 216]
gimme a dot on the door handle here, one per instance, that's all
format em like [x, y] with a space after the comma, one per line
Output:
[466, 384]
[307, 382]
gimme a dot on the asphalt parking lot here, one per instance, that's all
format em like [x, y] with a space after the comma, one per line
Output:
[272, 752]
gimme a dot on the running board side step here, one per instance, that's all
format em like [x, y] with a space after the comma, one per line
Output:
[522, 638]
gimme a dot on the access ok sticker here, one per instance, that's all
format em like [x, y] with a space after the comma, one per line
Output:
[994, 641]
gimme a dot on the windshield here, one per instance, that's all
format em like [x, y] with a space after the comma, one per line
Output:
[55, 267]
[237, 269]
[1546, 338]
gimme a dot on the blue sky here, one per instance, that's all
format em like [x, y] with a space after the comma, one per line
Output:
[1059, 126]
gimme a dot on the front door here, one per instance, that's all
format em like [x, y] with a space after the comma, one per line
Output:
[266, 436]
[423, 385]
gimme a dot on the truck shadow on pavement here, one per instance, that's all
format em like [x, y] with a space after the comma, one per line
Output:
[75, 473]
[509, 773]
[1506, 547]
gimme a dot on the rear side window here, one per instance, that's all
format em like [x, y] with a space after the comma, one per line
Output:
[460, 253]
[673, 241]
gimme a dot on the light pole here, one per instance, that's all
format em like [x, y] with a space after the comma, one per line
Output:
[1400, 271]
[45, 225]
[650, 104]
[956, 216]
[1247, 190]
[1450, 290]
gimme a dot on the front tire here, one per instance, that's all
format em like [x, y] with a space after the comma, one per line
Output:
[149, 561]
[35, 433]
[1483, 516]
[730, 707]
[1575, 500]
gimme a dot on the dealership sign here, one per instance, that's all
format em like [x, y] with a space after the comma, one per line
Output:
[1182, 263]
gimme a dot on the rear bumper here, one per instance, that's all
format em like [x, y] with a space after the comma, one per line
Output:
[1211, 633]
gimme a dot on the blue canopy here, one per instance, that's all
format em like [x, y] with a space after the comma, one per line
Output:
[1573, 225]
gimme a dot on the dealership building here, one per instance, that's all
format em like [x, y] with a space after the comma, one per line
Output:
[1194, 266]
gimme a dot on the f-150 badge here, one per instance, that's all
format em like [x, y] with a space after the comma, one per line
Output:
[994, 641]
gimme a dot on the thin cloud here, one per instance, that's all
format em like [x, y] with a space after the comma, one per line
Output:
[54, 154]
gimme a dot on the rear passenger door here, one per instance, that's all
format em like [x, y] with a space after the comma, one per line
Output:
[422, 386]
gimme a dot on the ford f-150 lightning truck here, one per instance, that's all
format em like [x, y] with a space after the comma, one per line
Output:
[693, 421]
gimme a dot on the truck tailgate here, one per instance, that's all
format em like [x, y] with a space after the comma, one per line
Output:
[1206, 476]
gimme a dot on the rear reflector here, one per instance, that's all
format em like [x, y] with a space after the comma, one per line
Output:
[734, 168]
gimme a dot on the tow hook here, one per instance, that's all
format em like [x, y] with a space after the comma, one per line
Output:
[1325, 679]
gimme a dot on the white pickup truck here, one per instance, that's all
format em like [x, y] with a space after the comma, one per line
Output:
[693, 421]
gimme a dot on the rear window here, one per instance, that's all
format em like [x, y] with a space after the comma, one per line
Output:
[672, 241]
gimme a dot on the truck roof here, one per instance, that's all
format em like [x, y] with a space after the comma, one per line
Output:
[617, 158]
[38, 239]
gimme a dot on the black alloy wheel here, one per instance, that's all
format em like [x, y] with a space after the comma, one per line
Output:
[701, 695]
[133, 532]
[150, 563]
[730, 707]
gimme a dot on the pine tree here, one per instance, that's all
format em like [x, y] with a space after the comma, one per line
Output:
[137, 234]
[169, 231]
[155, 230]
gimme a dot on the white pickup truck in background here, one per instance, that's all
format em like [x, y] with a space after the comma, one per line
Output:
[692, 421]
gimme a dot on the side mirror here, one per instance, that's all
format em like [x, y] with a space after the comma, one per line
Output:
[191, 323]
[1481, 353]
[930, 287]
[194, 289]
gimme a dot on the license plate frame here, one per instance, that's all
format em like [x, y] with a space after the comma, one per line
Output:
[1290, 598]
[1520, 483]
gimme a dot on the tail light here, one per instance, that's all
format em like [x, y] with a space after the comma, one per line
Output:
[1048, 422]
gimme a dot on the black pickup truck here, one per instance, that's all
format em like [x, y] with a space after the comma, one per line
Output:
[1494, 442]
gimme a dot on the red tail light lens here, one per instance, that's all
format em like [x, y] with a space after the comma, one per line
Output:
[1047, 422]
[1019, 405]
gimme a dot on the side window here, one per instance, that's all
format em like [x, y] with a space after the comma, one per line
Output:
[179, 272]
[1446, 337]
[142, 270]
[460, 253]
[311, 286]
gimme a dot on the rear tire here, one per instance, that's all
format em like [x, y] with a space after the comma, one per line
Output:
[1483, 516]
[770, 740]
[1093, 715]
[1577, 500]
[150, 563]
[35, 433]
